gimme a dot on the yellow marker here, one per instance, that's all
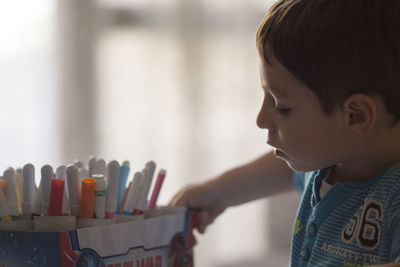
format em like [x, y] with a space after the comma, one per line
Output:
[6, 219]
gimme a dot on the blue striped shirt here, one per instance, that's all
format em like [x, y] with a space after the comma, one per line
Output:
[353, 225]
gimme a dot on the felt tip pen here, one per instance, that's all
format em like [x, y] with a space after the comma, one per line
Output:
[74, 189]
[86, 205]
[100, 167]
[148, 173]
[61, 173]
[4, 212]
[121, 209]
[28, 189]
[99, 196]
[56, 197]
[133, 193]
[47, 175]
[11, 195]
[151, 167]
[156, 189]
[139, 198]
[112, 188]
[83, 173]
[92, 161]
[3, 185]
[79, 164]
[18, 183]
[123, 176]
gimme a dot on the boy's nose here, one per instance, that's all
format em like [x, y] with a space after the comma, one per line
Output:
[264, 120]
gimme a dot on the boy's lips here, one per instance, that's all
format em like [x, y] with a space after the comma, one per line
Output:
[279, 153]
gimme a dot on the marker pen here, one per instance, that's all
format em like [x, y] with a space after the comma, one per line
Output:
[112, 188]
[142, 198]
[92, 161]
[4, 212]
[86, 207]
[61, 173]
[79, 164]
[11, 196]
[99, 196]
[156, 189]
[100, 167]
[133, 193]
[47, 175]
[74, 189]
[18, 183]
[56, 197]
[28, 189]
[3, 185]
[121, 209]
[123, 175]
[83, 173]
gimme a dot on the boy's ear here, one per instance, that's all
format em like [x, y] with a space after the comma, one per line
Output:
[360, 112]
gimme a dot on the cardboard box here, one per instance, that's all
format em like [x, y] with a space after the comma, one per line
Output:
[161, 239]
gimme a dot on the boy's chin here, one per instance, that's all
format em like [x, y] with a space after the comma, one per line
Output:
[299, 167]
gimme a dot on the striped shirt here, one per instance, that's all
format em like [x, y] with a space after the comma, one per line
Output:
[353, 225]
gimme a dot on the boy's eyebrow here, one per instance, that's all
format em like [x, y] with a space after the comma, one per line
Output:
[278, 93]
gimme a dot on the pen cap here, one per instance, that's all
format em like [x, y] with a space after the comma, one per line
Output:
[28, 188]
[56, 197]
[99, 167]
[61, 172]
[3, 186]
[86, 206]
[11, 195]
[83, 173]
[100, 196]
[112, 186]
[74, 189]
[47, 175]
[123, 176]
[92, 161]
[79, 164]
[156, 189]
[133, 193]
[3, 205]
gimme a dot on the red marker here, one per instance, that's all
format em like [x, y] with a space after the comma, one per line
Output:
[56, 197]
[156, 190]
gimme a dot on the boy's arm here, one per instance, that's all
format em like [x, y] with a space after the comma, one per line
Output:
[262, 177]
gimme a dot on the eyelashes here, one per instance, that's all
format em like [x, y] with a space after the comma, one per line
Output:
[282, 111]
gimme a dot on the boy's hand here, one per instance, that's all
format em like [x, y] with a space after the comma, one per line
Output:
[204, 200]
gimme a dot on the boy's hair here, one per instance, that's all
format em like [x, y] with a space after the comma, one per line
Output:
[337, 47]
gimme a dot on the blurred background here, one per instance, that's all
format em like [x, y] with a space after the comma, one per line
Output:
[174, 81]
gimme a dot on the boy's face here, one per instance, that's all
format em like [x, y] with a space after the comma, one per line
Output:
[301, 133]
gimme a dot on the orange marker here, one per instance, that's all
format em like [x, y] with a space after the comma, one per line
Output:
[121, 211]
[3, 185]
[86, 207]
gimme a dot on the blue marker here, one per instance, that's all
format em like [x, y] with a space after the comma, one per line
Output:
[123, 176]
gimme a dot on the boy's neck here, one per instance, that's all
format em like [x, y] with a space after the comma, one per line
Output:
[373, 158]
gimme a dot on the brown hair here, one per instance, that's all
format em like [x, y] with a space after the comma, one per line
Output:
[338, 47]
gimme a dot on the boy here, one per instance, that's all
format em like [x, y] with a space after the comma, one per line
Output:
[330, 71]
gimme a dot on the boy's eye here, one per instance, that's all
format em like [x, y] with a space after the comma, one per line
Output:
[282, 111]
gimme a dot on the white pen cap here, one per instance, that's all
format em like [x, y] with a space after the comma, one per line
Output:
[11, 196]
[28, 189]
[74, 189]
[47, 175]
[133, 193]
[99, 196]
[99, 167]
[92, 161]
[112, 187]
